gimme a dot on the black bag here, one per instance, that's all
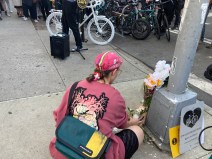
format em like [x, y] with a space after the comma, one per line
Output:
[60, 45]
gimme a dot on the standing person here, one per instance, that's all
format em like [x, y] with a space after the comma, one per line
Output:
[178, 5]
[9, 5]
[203, 29]
[70, 19]
[45, 7]
[30, 6]
[105, 109]
[18, 7]
[4, 7]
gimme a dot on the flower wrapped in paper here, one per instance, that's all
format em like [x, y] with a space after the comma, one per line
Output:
[152, 82]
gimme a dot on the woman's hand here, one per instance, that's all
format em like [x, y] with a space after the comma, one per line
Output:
[135, 121]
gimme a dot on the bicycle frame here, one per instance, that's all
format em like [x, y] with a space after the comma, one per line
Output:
[95, 17]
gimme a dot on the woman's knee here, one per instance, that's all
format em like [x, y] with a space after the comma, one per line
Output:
[139, 133]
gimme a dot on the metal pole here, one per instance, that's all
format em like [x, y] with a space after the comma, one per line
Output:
[186, 45]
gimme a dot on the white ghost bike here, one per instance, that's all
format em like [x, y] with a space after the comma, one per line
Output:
[100, 29]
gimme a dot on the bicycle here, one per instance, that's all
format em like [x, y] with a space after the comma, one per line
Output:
[127, 19]
[100, 29]
[208, 146]
[149, 13]
[162, 18]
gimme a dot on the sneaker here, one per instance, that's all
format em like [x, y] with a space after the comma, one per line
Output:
[79, 48]
[36, 21]
[7, 14]
[25, 18]
[11, 11]
[175, 27]
[209, 46]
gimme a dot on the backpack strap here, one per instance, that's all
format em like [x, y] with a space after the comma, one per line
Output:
[70, 98]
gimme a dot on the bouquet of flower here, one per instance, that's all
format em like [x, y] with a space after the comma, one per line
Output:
[153, 81]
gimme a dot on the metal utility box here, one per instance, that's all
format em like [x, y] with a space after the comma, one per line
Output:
[164, 112]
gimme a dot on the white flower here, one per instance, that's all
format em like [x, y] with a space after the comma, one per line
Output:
[160, 66]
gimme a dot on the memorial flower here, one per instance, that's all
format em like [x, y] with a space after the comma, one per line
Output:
[153, 81]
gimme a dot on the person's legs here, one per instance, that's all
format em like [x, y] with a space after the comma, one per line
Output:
[203, 29]
[46, 6]
[139, 133]
[25, 11]
[19, 11]
[33, 12]
[132, 137]
[42, 9]
[3, 4]
[64, 20]
[8, 6]
[73, 21]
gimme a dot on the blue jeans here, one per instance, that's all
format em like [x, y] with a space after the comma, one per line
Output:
[203, 29]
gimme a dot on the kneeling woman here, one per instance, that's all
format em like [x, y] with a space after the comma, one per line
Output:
[105, 109]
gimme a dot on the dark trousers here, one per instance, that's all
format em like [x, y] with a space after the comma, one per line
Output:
[44, 7]
[31, 9]
[70, 19]
[179, 4]
[203, 29]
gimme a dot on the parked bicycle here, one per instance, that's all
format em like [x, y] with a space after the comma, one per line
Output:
[126, 18]
[149, 12]
[100, 29]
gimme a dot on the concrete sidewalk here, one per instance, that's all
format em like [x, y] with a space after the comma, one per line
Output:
[32, 84]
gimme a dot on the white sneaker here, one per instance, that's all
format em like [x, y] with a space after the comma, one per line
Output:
[25, 18]
[11, 11]
[36, 21]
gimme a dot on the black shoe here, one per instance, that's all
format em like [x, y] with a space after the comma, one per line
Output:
[175, 27]
[79, 48]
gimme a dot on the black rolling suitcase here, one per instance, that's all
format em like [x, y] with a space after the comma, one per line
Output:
[60, 45]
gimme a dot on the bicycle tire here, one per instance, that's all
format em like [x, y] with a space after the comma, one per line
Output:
[166, 24]
[53, 23]
[156, 28]
[107, 34]
[200, 138]
[141, 29]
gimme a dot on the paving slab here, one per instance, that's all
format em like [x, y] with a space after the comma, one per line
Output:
[74, 68]
[26, 69]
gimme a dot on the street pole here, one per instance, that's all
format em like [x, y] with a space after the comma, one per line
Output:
[186, 45]
[167, 103]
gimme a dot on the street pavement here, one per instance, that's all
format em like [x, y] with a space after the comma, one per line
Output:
[32, 84]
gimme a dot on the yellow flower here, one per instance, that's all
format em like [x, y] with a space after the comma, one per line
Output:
[159, 83]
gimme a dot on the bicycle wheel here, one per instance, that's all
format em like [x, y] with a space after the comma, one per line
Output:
[156, 28]
[53, 23]
[141, 29]
[166, 25]
[106, 28]
[207, 146]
